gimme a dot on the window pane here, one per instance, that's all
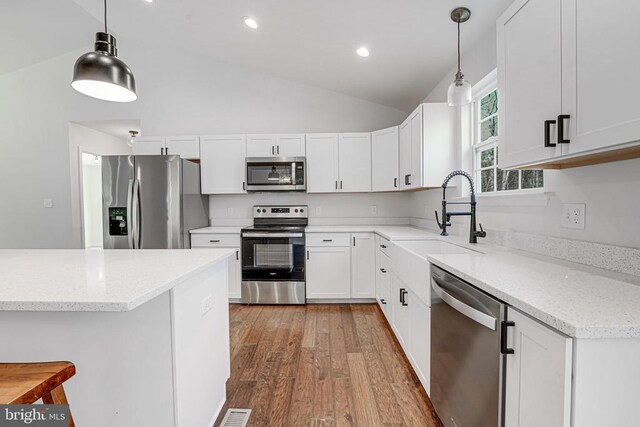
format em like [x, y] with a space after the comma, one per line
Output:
[486, 180]
[507, 180]
[488, 128]
[532, 179]
[489, 105]
[486, 158]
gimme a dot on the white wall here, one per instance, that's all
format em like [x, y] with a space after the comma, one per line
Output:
[343, 208]
[610, 191]
[92, 202]
[179, 93]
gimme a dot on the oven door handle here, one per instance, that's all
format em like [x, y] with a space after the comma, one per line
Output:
[472, 313]
[273, 235]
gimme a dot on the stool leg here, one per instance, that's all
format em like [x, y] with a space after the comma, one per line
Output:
[57, 397]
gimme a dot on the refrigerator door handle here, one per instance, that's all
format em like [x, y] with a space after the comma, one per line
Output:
[130, 214]
[136, 217]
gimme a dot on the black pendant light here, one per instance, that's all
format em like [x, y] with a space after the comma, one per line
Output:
[101, 74]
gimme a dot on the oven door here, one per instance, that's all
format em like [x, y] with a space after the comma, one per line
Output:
[269, 256]
[275, 174]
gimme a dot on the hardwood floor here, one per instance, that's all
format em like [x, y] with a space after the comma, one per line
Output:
[329, 365]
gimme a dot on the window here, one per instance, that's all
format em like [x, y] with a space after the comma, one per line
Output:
[485, 148]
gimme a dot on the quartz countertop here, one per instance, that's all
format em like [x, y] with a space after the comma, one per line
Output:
[95, 280]
[390, 232]
[217, 230]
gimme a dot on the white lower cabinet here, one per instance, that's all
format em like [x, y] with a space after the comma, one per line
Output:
[363, 279]
[400, 316]
[538, 375]
[328, 272]
[420, 339]
[223, 241]
[383, 282]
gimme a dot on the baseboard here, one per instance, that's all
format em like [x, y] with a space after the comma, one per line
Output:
[341, 301]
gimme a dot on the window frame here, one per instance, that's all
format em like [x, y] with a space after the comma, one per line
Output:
[482, 89]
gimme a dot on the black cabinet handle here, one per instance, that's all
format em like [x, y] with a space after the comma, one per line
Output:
[354, 241]
[403, 293]
[327, 240]
[383, 270]
[561, 119]
[406, 180]
[278, 150]
[547, 133]
[382, 301]
[214, 241]
[409, 183]
[341, 184]
[237, 255]
[166, 150]
[307, 254]
[244, 186]
[395, 182]
[273, 150]
[503, 337]
[383, 246]
[336, 185]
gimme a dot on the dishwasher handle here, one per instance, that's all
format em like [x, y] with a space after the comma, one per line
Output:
[465, 309]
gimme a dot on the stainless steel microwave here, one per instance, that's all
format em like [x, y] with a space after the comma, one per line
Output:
[276, 174]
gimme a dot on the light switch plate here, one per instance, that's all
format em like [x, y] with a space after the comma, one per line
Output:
[206, 304]
[318, 210]
[573, 215]
[47, 203]
[374, 210]
[230, 211]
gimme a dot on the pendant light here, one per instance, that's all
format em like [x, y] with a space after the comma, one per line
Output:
[459, 92]
[101, 74]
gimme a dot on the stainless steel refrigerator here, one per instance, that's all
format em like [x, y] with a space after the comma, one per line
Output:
[151, 202]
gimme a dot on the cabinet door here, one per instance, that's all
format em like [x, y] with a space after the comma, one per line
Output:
[222, 163]
[187, 147]
[415, 177]
[384, 159]
[148, 146]
[600, 47]
[538, 376]
[401, 320]
[439, 147]
[322, 163]
[328, 272]
[404, 153]
[261, 145]
[354, 163]
[529, 35]
[420, 342]
[235, 275]
[292, 145]
[363, 279]
[383, 282]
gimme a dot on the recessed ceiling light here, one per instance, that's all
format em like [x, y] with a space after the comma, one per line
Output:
[363, 51]
[250, 22]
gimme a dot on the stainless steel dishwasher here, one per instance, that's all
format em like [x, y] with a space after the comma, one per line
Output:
[467, 360]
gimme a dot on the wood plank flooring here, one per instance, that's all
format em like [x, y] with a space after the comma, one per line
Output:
[322, 365]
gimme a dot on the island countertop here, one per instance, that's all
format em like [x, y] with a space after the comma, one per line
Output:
[95, 280]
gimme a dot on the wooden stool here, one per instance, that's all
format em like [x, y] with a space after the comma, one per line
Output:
[25, 383]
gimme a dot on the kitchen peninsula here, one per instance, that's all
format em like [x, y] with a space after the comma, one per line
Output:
[148, 330]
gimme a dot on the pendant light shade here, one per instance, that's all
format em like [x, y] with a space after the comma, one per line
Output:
[100, 74]
[460, 92]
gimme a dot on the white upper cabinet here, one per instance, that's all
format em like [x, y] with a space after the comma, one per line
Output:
[322, 162]
[427, 147]
[222, 164]
[538, 377]
[354, 163]
[261, 145]
[529, 36]
[561, 80]
[600, 65]
[363, 277]
[149, 145]
[187, 147]
[290, 145]
[384, 159]
[272, 145]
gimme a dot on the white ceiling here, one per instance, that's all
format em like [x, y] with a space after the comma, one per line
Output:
[412, 42]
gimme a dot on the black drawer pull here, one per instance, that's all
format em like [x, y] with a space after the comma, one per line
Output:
[214, 241]
[383, 246]
[395, 182]
[503, 337]
[382, 301]
[403, 293]
[383, 270]
[327, 240]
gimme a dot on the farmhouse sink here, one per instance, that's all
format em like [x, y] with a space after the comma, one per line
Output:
[412, 267]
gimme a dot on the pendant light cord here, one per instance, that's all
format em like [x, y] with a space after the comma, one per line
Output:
[105, 22]
[458, 43]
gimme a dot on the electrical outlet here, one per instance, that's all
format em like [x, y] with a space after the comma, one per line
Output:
[47, 203]
[206, 304]
[573, 215]
[374, 210]
[229, 211]
[318, 210]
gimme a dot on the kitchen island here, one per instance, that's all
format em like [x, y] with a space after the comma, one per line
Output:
[148, 330]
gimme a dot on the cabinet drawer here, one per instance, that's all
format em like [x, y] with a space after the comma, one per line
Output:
[383, 245]
[215, 240]
[329, 239]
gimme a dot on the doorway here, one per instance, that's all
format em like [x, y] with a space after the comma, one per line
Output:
[92, 200]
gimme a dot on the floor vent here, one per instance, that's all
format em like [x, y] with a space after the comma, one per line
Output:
[236, 417]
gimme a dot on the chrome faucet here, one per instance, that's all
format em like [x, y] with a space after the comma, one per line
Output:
[446, 216]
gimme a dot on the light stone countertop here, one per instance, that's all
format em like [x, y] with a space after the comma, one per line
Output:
[217, 230]
[95, 280]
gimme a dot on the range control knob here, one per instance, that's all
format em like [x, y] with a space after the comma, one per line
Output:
[296, 211]
[258, 210]
[264, 210]
[301, 210]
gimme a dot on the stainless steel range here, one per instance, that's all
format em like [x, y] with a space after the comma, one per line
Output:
[273, 256]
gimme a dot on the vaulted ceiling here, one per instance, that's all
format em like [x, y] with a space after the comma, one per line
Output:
[412, 42]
